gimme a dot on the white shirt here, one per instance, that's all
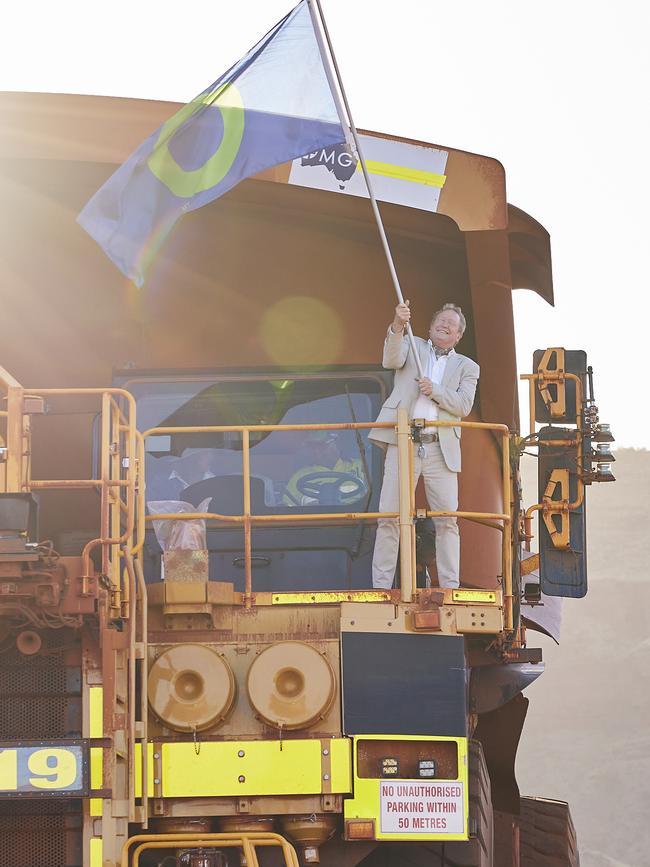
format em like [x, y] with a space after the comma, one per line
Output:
[435, 370]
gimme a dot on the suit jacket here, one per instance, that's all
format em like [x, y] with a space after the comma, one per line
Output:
[454, 396]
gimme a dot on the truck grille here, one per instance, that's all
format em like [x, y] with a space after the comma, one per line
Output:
[41, 694]
[36, 833]
[40, 699]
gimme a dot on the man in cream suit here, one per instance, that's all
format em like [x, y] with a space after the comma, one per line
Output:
[446, 393]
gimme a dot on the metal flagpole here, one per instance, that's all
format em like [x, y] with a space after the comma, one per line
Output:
[346, 118]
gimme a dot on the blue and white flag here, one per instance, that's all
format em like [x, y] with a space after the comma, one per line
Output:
[272, 106]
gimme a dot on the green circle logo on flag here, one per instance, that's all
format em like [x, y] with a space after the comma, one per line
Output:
[186, 184]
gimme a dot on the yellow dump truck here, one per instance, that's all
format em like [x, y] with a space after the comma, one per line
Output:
[195, 670]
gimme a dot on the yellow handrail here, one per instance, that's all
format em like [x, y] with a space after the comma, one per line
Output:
[118, 442]
[121, 487]
[17, 435]
[505, 516]
[7, 380]
[551, 376]
[405, 515]
[117, 424]
[248, 841]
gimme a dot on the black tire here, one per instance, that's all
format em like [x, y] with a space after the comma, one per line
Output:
[547, 837]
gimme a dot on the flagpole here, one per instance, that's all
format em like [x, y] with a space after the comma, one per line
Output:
[347, 119]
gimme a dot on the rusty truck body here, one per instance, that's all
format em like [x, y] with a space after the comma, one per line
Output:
[242, 694]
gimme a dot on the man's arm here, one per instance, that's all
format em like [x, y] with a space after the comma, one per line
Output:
[396, 345]
[458, 401]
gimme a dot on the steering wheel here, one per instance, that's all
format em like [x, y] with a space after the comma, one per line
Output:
[332, 488]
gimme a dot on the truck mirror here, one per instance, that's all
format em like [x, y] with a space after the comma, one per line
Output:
[555, 397]
[562, 519]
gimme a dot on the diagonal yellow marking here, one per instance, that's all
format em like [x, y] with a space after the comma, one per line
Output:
[403, 173]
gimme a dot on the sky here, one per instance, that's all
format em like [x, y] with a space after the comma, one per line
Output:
[557, 91]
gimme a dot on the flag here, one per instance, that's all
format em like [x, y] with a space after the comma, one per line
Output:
[272, 106]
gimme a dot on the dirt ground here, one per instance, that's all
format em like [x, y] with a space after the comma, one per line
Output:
[587, 736]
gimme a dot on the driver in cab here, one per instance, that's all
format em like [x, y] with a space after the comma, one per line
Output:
[327, 477]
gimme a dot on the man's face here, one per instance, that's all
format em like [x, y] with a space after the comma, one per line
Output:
[445, 330]
[324, 452]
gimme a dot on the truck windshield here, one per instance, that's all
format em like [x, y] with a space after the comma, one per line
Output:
[291, 471]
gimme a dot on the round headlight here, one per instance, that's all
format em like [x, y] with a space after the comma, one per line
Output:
[291, 685]
[191, 687]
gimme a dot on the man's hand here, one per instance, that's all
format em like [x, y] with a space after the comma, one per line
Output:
[402, 317]
[425, 385]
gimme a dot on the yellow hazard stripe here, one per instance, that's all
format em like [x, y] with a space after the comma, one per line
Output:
[96, 728]
[252, 768]
[96, 851]
[305, 597]
[403, 173]
[474, 596]
[138, 767]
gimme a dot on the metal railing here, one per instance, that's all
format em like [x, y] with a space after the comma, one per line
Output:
[121, 486]
[405, 516]
[491, 518]
[16, 434]
[118, 482]
[248, 842]
[121, 522]
[537, 380]
[118, 474]
[123, 515]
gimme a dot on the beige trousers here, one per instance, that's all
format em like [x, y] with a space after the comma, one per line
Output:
[441, 488]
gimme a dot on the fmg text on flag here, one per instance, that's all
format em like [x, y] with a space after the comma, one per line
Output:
[272, 106]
